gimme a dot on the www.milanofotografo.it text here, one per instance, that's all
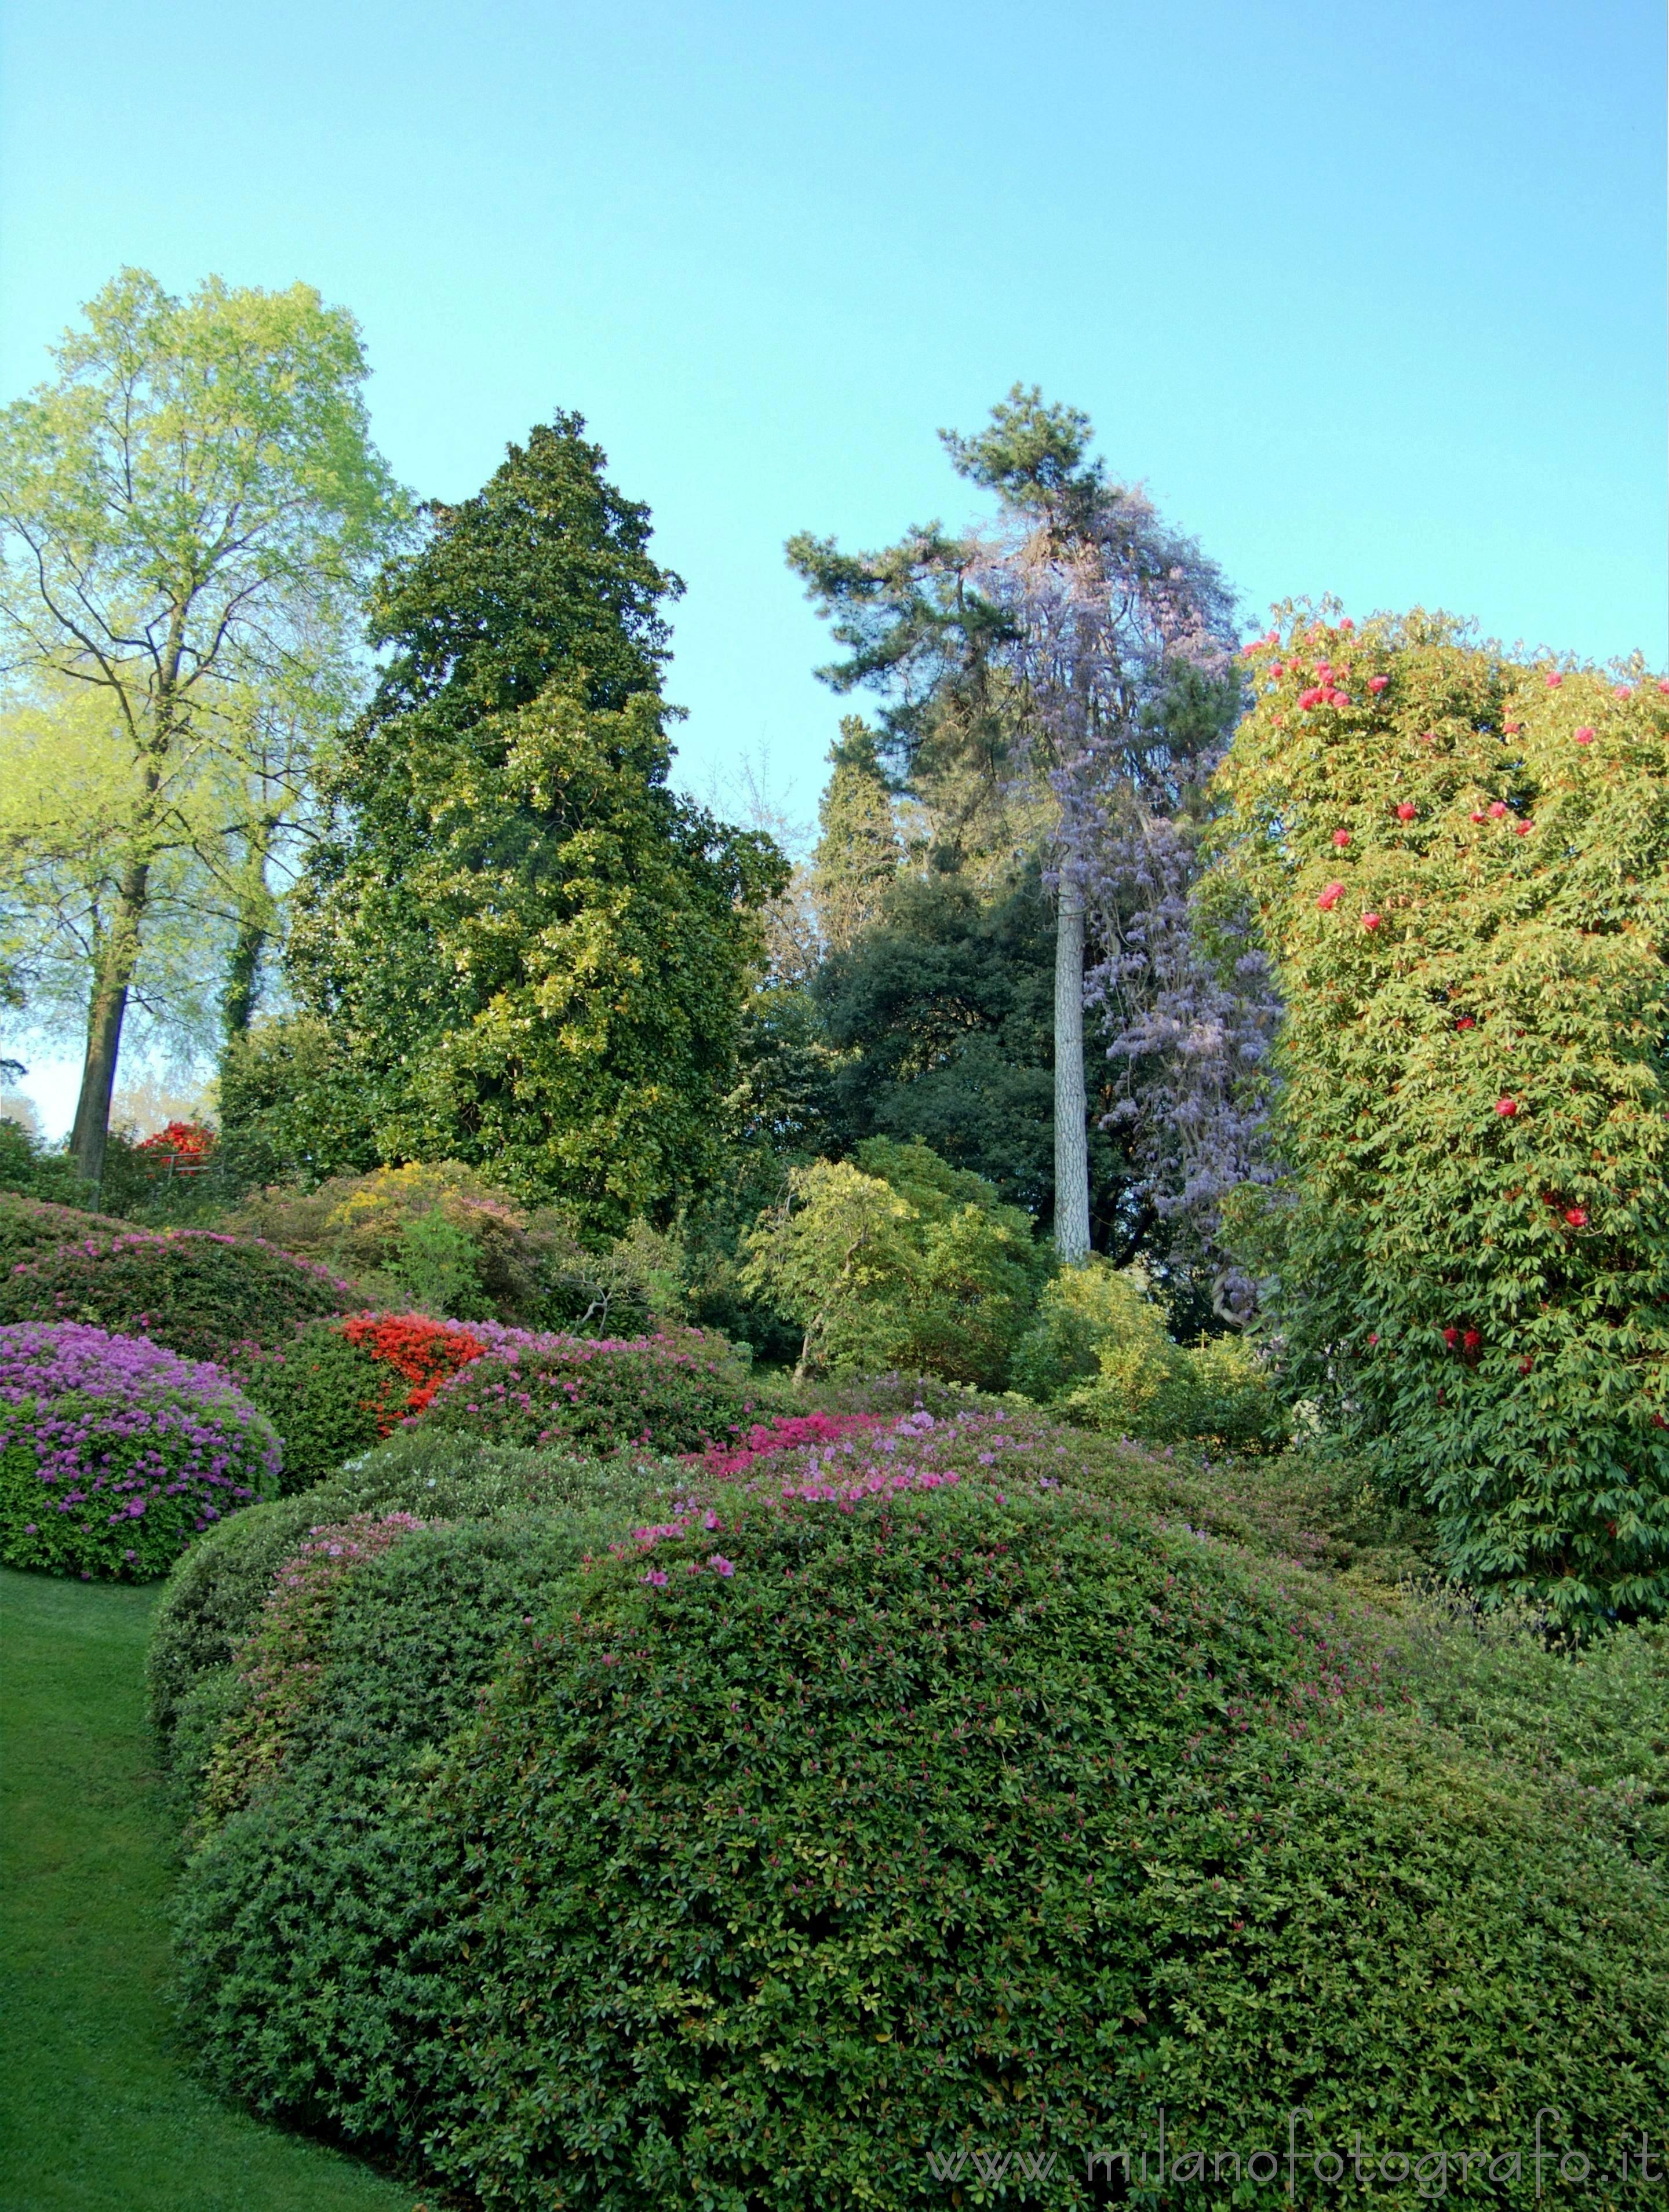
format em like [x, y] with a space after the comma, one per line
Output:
[1638, 2161]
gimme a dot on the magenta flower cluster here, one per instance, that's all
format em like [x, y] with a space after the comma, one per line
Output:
[114, 1452]
[916, 1452]
[668, 1392]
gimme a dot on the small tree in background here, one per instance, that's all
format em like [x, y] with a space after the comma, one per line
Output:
[860, 852]
[1461, 863]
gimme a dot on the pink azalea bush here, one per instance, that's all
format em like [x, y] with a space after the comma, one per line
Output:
[676, 1391]
[115, 1454]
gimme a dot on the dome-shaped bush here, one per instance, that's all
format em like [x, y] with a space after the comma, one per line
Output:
[674, 1392]
[30, 1226]
[194, 1289]
[114, 1452]
[907, 1807]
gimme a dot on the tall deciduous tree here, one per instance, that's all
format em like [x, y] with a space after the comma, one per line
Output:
[188, 514]
[534, 952]
[860, 851]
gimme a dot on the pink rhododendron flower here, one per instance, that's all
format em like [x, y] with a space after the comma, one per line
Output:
[1378, 682]
[720, 1565]
[1407, 811]
[1341, 838]
[1585, 736]
[1555, 681]
[1507, 1108]
[1370, 921]
[1621, 691]
[1330, 898]
[1497, 809]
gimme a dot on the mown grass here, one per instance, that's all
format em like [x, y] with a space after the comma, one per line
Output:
[98, 2110]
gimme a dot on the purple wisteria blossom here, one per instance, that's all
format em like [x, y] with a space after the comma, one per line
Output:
[114, 1453]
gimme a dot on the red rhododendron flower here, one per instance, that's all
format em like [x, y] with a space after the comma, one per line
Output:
[1330, 898]
[1507, 1108]
[1512, 728]
[1373, 1336]
[1521, 829]
[1466, 1023]
[1407, 811]
[1310, 698]
[1341, 838]
[1451, 1337]
[1576, 1216]
[1554, 682]
[1663, 684]
[1585, 736]
[1347, 624]
[1370, 921]
[1470, 1341]
[1378, 682]
[1477, 814]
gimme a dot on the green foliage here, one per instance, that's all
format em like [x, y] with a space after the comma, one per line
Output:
[30, 1226]
[552, 981]
[900, 1261]
[1463, 875]
[532, 951]
[677, 1391]
[943, 1013]
[31, 1169]
[321, 1394]
[860, 852]
[197, 1292]
[318, 1959]
[1099, 1352]
[214, 1597]
[292, 1106]
[443, 1239]
[1024, 1812]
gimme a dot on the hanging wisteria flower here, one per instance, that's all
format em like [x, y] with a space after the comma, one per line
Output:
[115, 1453]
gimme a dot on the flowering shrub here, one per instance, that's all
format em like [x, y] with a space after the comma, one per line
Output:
[341, 1384]
[197, 1292]
[672, 1392]
[30, 1226]
[178, 1147]
[1469, 1261]
[114, 1452]
[280, 1665]
[784, 1432]
[905, 1793]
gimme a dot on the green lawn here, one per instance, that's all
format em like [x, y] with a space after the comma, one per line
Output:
[98, 2110]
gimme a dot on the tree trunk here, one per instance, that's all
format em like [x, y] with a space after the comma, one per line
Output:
[1071, 1137]
[237, 1004]
[91, 1132]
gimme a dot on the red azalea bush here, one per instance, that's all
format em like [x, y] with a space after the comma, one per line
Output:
[678, 1391]
[342, 1384]
[203, 1294]
[1469, 1261]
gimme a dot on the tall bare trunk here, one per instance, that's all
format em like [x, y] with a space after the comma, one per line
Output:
[91, 1132]
[1071, 1138]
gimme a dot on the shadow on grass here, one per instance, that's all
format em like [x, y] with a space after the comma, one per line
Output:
[98, 2110]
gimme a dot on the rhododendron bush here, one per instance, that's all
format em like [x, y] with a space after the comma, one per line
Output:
[343, 1383]
[196, 1291]
[1461, 863]
[676, 1391]
[881, 1800]
[115, 1453]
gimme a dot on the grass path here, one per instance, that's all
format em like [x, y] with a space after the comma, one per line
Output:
[98, 2112]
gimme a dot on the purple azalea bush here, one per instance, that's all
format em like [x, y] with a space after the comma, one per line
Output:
[115, 1453]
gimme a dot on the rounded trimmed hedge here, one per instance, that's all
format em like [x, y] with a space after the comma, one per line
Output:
[200, 1293]
[671, 1392]
[30, 1226]
[114, 1452]
[906, 1803]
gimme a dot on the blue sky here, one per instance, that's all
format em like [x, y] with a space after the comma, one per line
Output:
[1373, 298]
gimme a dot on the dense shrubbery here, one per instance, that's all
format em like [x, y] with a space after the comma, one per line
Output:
[198, 1292]
[114, 1452]
[900, 1261]
[341, 1384]
[1462, 864]
[907, 1805]
[29, 1167]
[1097, 1353]
[214, 1595]
[444, 1239]
[30, 1226]
[673, 1392]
